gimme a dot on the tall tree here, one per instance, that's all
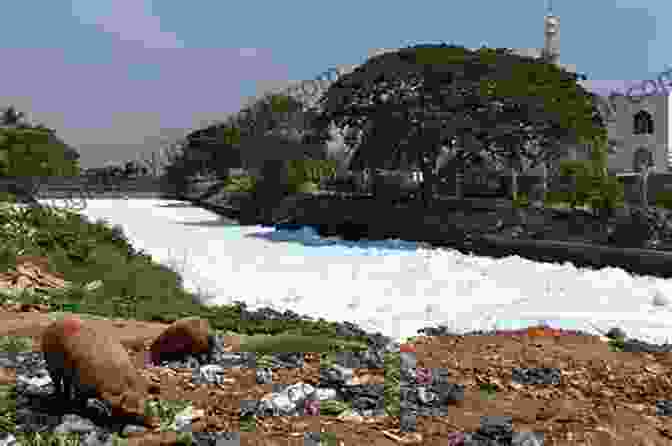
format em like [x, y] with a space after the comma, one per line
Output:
[214, 149]
[177, 167]
[41, 137]
[221, 147]
[468, 101]
[22, 146]
[273, 123]
[432, 92]
[26, 155]
[11, 117]
[133, 169]
[537, 110]
[160, 159]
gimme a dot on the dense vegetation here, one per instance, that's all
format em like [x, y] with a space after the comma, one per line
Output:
[414, 103]
[29, 152]
[441, 108]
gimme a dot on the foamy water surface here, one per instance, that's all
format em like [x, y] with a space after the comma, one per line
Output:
[394, 287]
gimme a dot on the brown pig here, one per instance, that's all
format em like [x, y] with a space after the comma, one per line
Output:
[95, 366]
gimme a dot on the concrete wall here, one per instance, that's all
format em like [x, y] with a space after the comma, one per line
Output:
[623, 130]
[59, 185]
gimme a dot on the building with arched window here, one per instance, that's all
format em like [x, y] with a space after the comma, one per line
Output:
[639, 131]
[636, 113]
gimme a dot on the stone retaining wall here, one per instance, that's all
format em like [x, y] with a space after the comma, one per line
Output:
[379, 221]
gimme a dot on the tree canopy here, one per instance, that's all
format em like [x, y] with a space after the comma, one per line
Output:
[423, 99]
[35, 152]
[536, 110]
[385, 91]
[272, 127]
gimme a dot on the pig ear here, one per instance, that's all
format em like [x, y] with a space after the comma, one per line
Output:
[149, 359]
[71, 326]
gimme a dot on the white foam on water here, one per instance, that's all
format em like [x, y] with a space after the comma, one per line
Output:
[394, 287]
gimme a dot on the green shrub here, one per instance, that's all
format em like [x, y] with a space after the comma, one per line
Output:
[242, 183]
[310, 170]
[556, 197]
[606, 194]
[591, 187]
[306, 187]
[7, 197]
[664, 199]
[521, 200]
[26, 152]
[280, 178]
[342, 182]
[580, 171]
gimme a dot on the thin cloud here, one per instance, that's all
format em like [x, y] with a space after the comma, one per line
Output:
[248, 52]
[130, 20]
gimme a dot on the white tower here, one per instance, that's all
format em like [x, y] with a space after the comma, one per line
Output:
[551, 36]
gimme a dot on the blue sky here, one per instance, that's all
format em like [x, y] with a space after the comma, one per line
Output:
[116, 77]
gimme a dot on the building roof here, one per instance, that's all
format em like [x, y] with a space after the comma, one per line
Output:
[606, 87]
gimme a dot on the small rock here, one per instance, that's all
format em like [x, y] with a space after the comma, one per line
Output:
[660, 299]
[615, 333]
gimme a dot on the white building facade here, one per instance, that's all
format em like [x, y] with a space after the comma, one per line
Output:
[640, 133]
[638, 125]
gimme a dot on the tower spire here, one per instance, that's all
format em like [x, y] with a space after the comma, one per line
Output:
[551, 49]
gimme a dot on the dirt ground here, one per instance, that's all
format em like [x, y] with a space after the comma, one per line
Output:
[603, 398]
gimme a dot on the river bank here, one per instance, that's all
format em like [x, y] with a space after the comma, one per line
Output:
[246, 253]
[395, 287]
[634, 239]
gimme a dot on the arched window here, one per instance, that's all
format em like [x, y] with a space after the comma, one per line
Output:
[641, 158]
[643, 123]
